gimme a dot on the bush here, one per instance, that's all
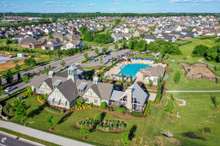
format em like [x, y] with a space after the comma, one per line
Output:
[104, 105]
[177, 77]
[121, 109]
[137, 114]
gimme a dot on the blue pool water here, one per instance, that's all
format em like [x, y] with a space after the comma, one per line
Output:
[130, 70]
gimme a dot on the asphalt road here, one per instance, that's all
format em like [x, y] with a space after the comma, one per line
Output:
[56, 65]
[59, 140]
[6, 140]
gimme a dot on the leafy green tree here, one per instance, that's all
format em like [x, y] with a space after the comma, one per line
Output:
[214, 101]
[84, 132]
[63, 63]
[97, 51]
[212, 54]
[104, 105]
[200, 50]
[17, 67]
[20, 109]
[50, 120]
[125, 140]
[28, 92]
[177, 77]
[30, 62]
[8, 76]
[86, 56]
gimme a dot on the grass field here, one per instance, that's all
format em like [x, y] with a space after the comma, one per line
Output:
[174, 65]
[198, 113]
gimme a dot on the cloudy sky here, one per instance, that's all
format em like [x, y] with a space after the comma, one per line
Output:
[140, 6]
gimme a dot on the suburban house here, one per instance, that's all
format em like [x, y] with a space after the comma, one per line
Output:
[98, 93]
[30, 42]
[64, 95]
[63, 91]
[151, 75]
[134, 98]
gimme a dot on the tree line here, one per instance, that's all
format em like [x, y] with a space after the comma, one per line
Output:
[97, 14]
[210, 54]
[91, 36]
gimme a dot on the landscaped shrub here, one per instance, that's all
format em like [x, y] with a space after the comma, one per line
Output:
[104, 105]
[8, 110]
[105, 125]
[121, 109]
[137, 114]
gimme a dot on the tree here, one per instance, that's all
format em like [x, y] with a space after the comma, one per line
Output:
[214, 101]
[97, 51]
[50, 120]
[63, 63]
[28, 92]
[17, 67]
[30, 62]
[84, 132]
[212, 54]
[86, 56]
[104, 51]
[8, 76]
[125, 139]
[1, 90]
[20, 109]
[177, 77]
[104, 105]
[200, 50]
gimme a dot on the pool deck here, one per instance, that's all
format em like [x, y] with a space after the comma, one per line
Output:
[114, 72]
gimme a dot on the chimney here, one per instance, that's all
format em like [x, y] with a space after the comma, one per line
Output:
[95, 79]
[50, 74]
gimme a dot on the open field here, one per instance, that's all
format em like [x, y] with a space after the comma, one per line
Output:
[174, 65]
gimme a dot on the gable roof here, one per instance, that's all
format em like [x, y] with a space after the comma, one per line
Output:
[69, 90]
[103, 90]
[139, 94]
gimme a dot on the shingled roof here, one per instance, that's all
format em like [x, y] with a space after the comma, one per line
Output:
[69, 90]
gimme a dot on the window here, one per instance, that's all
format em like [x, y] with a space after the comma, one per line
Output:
[95, 101]
[53, 100]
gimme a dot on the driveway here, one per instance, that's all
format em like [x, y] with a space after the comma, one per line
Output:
[59, 140]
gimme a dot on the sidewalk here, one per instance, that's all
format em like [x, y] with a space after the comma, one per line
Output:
[41, 135]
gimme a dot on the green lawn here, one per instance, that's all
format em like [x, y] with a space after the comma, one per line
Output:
[197, 114]
[174, 65]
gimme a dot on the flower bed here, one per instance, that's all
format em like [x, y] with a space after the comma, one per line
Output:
[105, 125]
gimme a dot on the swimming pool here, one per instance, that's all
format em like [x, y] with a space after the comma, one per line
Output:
[131, 70]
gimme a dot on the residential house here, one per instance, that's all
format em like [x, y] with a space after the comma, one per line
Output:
[151, 75]
[134, 98]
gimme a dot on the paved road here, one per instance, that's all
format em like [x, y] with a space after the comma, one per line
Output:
[7, 140]
[42, 135]
[56, 65]
[193, 91]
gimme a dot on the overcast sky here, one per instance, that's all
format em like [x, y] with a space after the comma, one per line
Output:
[140, 6]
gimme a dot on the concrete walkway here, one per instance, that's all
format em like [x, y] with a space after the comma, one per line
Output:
[59, 140]
[193, 91]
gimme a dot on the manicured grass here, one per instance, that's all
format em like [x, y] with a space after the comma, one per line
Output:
[197, 114]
